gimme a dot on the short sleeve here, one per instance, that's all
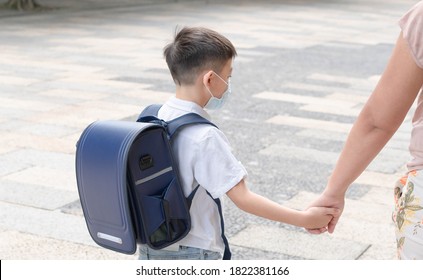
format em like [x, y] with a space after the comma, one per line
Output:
[217, 169]
[412, 28]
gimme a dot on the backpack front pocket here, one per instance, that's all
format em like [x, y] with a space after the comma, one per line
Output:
[164, 216]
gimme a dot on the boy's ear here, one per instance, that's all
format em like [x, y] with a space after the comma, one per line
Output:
[207, 77]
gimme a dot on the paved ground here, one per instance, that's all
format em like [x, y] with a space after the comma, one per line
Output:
[304, 70]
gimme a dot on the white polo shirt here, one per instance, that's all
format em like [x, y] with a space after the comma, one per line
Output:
[204, 157]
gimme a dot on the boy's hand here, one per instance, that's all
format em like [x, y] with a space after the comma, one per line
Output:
[318, 218]
[328, 200]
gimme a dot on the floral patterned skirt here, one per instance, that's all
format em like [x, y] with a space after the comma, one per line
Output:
[408, 216]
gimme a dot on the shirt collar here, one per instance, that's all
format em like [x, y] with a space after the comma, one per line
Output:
[188, 106]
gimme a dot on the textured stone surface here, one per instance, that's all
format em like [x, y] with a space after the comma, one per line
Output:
[303, 72]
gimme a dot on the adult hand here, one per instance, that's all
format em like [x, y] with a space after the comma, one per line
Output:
[329, 200]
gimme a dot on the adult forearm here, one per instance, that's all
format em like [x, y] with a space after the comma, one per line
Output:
[364, 143]
[380, 118]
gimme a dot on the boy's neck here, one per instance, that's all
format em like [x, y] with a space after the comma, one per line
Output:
[190, 93]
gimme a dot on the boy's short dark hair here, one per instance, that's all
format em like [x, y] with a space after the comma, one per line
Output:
[195, 49]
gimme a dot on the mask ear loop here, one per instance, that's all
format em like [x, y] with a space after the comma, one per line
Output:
[226, 83]
[206, 79]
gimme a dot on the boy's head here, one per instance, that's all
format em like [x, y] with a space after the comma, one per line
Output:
[194, 50]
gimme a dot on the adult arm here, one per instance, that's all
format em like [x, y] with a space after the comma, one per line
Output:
[379, 119]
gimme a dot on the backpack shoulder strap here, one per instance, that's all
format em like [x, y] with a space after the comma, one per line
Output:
[150, 114]
[175, 125]
[150, 110]
[227, 253]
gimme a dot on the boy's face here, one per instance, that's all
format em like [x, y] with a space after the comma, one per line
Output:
[220, 85]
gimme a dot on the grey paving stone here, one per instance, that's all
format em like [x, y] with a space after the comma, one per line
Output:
[301, 245]
[92, 60]
[244, 253]
[35, 195]
[295, 152]
[25, 158]
[51, 224]
[37, 247]
[49, 130]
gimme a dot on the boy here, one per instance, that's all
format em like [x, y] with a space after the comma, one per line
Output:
[200, 61]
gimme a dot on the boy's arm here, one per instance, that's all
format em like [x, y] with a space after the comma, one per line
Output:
[248, 201]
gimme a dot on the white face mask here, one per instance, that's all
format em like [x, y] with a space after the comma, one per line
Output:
[217, 103]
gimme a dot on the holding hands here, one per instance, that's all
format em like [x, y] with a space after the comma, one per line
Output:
[318, 218]
[335, 202]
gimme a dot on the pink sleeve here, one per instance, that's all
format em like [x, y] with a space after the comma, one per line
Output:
[412, 28]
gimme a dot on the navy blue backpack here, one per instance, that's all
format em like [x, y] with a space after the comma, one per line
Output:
[129, 185]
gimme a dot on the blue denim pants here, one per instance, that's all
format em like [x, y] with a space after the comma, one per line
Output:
[184, 253]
